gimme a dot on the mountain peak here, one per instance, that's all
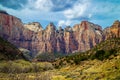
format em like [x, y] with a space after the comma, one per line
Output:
[116, 24]
[51, 23]
[60, 28]
[84, 21]
[3, 12]
[117, 21]
[34, 26]
[51, 26]
[113, 31]
[69, 29]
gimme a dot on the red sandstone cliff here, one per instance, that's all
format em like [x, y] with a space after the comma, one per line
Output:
[31, 36]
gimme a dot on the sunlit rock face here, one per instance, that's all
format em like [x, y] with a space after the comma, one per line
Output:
[35, 26]
[87, 35]
[113, 31]
[33, 37]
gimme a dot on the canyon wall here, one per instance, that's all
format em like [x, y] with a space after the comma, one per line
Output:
[79, 38]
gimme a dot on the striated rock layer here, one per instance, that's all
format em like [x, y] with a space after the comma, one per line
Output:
[33, 37]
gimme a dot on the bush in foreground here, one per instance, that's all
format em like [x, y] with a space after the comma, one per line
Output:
[21, 66]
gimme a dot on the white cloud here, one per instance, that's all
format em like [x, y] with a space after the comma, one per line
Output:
[68, 12]
[44, 5]
[89, 15]
[78, 10]
[64, 23]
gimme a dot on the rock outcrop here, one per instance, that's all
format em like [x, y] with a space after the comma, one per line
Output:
[37, 40]
[113, 31]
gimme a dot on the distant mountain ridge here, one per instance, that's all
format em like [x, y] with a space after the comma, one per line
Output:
[33, 37]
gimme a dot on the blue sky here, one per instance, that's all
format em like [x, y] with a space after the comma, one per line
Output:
[64, 12]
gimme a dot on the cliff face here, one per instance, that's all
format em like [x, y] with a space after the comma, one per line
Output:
[33, 37]
[113, 31]
[12, 29]
[87, 35]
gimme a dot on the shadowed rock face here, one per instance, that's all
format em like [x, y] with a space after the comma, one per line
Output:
[33, 37]
[113, 31]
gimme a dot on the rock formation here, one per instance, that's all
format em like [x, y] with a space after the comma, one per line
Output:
[37, 40]
[87, 35]
[113, 31]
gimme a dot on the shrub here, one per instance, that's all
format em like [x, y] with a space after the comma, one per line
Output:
[117, 78]
[46, 57]
[21, 66]
[42, 66]
[18, 66]
[101, 54]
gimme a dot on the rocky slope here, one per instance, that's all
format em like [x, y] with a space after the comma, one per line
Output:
[37, 40]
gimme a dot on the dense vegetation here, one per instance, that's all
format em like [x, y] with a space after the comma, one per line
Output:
[22, 66]
[50, 57]
[9, 51]
[108, 69]
[24, 70]
[100, 63]
[102, 51]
